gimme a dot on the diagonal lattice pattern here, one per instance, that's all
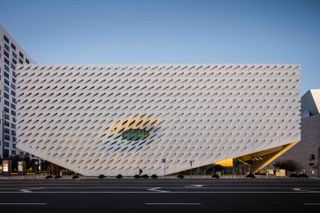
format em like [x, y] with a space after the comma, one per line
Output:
[113, 119]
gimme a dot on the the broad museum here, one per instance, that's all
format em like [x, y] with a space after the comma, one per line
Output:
[163, 119]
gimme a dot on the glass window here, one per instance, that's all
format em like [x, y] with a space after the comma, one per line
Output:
[13, 66]
[13, 113]
[6, 67]
[6, 47]
[13, 46]
[6, 123]
[20, 61]
[6, 38]
[6, 53]
[14, 61]
[14, 55]
[6, 82]
[13, 93]
[6, 130]
[6, 103]
[21, 55]
[6, 61]
[6, 74]
[13, 106]
[6, 88]
[6, 95]
[13, 86]
[27, 61]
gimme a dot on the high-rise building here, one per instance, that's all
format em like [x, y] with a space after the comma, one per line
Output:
[11, 54]
[162, 119]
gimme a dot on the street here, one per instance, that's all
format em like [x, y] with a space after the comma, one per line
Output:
[162, 195]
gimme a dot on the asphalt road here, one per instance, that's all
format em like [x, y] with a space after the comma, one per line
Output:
[247, 195]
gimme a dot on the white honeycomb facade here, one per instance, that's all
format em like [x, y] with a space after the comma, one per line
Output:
[76, 115]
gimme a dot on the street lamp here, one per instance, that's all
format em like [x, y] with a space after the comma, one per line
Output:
[164, 166]
[191, 161]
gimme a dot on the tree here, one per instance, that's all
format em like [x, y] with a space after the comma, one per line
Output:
[288, 165]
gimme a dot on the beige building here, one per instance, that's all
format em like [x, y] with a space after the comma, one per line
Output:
[310, 135]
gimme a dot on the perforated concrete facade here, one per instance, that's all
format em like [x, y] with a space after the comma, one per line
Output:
[75, 115]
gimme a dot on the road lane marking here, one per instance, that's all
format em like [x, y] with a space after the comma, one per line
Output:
[304, 190]
[24, 204]
[311, 204]
[28, 190]
[25, 190]
[194, 186]
[173, 204]
[157, 189]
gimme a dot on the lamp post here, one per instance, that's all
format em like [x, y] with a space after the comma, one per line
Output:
[164, 166]
[191, 161]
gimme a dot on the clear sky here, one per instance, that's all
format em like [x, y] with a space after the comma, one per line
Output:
[169, 32]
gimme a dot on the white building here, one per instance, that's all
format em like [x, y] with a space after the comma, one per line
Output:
[306, 153]
[11, 54]
[114, 119]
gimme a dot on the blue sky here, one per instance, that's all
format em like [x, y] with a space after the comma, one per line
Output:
[169, 32]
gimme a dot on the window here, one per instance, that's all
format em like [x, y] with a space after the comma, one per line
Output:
[135, 134]
[13, 106]
[6, 88]
[7, 123]
[6, 67]
[13, 86]
[6, 53]
[13, 126]
[14, 61]
[6, 82]
[27, 61]
[13, 93]
[6, 103]
[6, 131]
[13, 46]
[6, 74]
[6, 61]
[20, 61]
[6, 95]
[13, 66]
[13, 113]
[6, 47]
[6, 38]
[21, 55]
[14, 55]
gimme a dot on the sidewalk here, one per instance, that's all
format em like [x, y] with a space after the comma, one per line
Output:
[187, 177]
